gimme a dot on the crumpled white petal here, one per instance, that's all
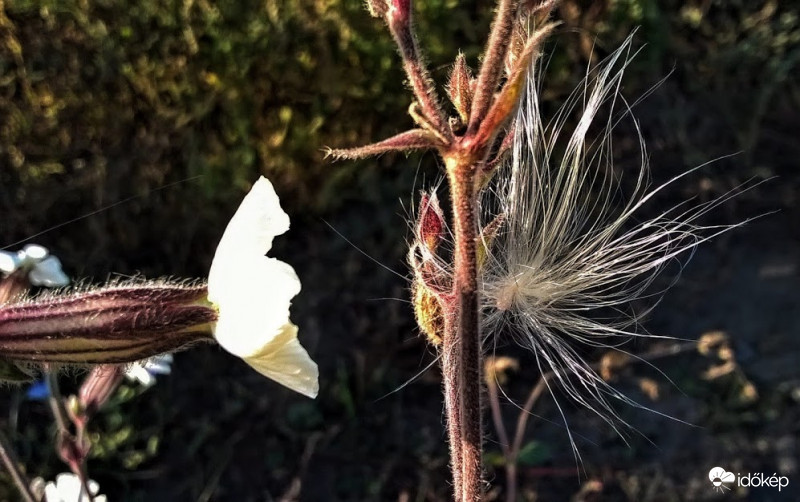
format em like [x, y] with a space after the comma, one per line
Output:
[48, 273]
[253, 294]
[43, 269]
[145, 371]
[67, 488]
[9, 262]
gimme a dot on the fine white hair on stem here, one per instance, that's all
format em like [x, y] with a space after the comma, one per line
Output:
[575, 244]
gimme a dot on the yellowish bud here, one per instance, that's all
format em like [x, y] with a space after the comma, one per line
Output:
[428, 311]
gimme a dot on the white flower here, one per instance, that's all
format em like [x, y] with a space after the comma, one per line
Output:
[67, 488]
[253, 294]
[43, 268]
[145, 371]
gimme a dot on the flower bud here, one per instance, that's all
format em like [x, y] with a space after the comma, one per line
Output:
[97, 389]
[430, 225]
[14, 287]
[115, 324]
[460, 87]
[428, 311]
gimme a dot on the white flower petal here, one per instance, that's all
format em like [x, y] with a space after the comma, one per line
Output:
[9, 262]
[158, 366]
[138, 373]
[251, 230]
[67, 488]
[253, 294]
[253, 303]
[35, 253]
[145, 371]
[51, 493]
[48, 273]
[284, 360]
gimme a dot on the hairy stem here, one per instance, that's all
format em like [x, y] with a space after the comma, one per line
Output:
[66, 442]
[492, 67]
[466, 342]
[418, 76]
[452, 403]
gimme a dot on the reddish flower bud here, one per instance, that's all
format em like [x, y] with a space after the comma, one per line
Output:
[96, 389]
[14, 286]
[430, 224]
[460, 87]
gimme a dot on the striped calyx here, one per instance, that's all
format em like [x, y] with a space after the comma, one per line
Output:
[119, 323]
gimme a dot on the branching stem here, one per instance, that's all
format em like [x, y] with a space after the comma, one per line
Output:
[465, 157]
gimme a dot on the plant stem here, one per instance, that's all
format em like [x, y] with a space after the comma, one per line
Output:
[512, 456]
[452, 402]
[466, 343]
[525, 413]
[492, 67]
[11, 462]
[66, 442]
[55, 400]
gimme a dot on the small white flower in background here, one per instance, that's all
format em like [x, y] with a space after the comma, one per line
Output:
[145, 371]
[43, 268]
[67, 488]
[253, 293]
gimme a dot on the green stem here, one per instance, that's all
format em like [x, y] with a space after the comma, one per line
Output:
[55, 400]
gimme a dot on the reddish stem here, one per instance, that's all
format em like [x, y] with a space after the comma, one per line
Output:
[466, 342]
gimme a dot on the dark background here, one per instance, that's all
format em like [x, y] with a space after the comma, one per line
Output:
[168, 111]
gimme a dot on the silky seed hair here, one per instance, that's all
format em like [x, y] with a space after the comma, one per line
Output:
[572, 248]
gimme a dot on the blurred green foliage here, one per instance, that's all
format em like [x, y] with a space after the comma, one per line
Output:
[104, 100]
[164, 90]
[109, 101]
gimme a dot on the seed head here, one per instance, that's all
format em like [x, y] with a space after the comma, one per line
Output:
[571, 248]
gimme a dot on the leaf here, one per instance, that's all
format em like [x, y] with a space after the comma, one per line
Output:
[494, 459]
[11, 373]
[414, 139]
[534, 453]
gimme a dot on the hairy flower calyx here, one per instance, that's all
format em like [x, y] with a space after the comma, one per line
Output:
[119, 323]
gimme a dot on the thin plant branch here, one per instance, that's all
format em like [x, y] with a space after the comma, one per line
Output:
[10, 460]
[56, 402]
[494, 57]
[69, 447]
[511, 451]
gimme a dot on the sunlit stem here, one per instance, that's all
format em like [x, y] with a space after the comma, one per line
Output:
[463, 338]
